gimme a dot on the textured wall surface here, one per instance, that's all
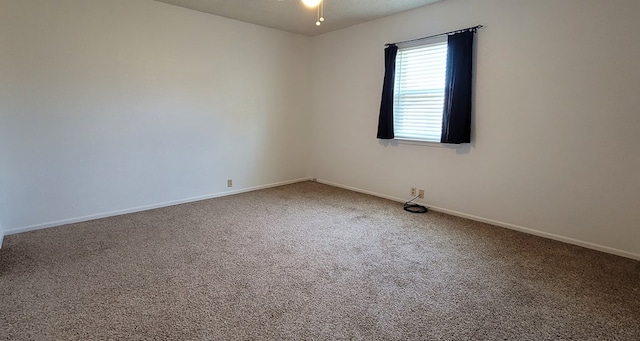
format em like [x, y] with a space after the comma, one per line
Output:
[112, 105]
[555, 125]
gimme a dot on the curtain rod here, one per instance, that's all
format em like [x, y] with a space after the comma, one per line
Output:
[438, 35]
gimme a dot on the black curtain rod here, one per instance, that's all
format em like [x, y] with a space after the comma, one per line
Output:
[438, 35]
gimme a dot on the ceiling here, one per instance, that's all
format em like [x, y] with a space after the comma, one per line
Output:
[293, 16]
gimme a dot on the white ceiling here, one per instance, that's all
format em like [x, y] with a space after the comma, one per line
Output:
[293, 16]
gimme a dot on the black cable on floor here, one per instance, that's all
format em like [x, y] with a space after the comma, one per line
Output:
[412, 207]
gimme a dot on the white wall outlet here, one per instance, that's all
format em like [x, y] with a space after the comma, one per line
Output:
[413, 191]
[421, 194]
[230, 183]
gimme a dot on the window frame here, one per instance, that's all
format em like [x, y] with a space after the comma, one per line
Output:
[404, 138]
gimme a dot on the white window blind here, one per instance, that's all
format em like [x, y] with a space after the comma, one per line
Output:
[419, 92]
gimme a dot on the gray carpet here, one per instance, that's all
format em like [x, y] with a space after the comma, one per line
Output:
[308, 261]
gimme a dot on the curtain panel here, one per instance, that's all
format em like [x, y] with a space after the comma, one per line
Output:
[456, 116]
[385, 120]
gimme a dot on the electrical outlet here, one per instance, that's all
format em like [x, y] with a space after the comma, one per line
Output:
[230, 183]
[421, 194]
[413, 191]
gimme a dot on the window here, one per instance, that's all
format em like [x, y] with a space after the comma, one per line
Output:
[418, 102]
[427, 89]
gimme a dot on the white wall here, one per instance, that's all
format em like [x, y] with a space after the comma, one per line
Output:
[555, 142]
[112, 105]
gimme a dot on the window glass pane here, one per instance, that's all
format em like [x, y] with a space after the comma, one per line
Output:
[419, 92]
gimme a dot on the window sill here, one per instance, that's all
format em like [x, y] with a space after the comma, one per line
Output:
[419, 143]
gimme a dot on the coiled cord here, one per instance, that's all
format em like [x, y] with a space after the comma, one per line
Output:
[413, 207]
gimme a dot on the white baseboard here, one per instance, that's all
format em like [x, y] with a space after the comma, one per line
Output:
[144, 208]
[527, 230]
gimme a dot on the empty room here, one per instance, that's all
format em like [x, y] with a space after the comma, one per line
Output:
[319, 170]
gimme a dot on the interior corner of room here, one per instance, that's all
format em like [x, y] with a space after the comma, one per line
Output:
[117, 106]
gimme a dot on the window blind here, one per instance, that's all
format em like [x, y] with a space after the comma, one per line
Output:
[419, 92]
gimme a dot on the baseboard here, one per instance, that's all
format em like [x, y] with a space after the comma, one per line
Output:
[145, 208]
[523, 229]
[1, 236]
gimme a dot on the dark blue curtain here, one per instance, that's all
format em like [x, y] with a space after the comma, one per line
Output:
[385, 120]
[456, 118]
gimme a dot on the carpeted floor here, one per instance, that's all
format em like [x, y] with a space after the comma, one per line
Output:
[308, 261]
